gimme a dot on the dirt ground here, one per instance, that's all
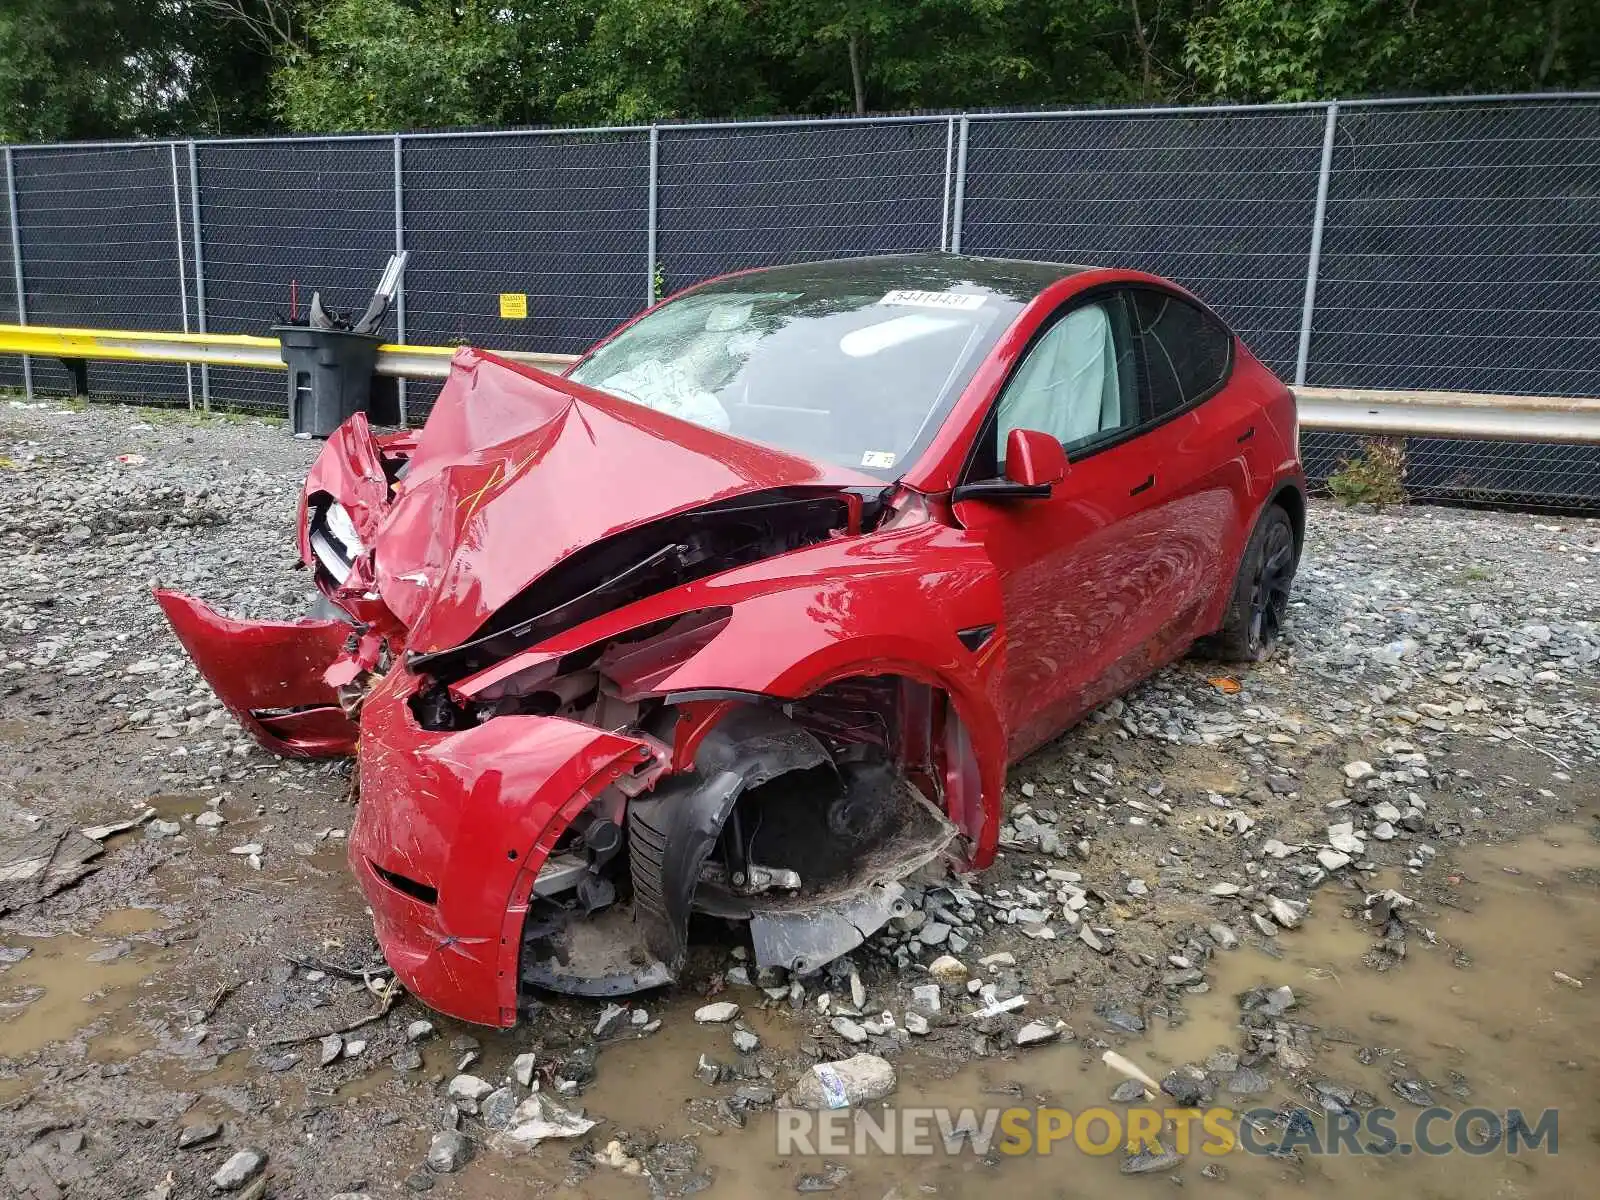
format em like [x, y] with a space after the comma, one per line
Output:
[167, 992]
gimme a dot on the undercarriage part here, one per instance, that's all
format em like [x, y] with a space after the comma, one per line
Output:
[753, 880]
[853, 889]
[560, 873]
[822, 847]
[670, 836]
[803, 939]
[567, 950]
[673, 832]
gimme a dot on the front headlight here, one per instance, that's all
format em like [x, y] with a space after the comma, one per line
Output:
[344, 529]
[334, 540]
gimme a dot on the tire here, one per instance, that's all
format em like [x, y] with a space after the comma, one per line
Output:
[1260, 600]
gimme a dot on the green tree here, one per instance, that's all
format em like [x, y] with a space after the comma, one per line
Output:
[1316, 49]
[383, 64]
[110, 68]
[651, 59]
[397, 63]
[75, 68]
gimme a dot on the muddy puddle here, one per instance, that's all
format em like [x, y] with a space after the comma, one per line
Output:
[72, 983]
[1479, 1015]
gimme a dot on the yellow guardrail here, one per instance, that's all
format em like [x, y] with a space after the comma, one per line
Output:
[1366, 411]
[224, 350]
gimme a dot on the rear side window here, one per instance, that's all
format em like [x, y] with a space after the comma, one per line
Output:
[1187, 352]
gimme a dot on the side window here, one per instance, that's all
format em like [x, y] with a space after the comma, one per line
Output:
[1077, 382]
[1186, 352]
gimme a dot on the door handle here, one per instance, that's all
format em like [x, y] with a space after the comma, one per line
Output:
[1246, 435]
[1150, 482]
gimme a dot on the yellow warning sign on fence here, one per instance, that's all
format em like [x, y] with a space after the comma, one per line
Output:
[513, 306]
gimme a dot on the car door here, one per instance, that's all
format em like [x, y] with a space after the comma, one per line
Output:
[1195, 446]
[1070, 616]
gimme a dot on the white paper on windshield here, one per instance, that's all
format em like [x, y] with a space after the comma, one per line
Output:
[918, 299]
[879, 459]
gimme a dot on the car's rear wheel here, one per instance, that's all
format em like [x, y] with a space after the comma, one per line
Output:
[1260, 600]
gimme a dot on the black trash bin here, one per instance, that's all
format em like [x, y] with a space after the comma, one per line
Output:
[330, 375]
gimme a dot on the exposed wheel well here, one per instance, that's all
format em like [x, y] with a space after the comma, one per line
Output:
[797, 818]
[1292, 500]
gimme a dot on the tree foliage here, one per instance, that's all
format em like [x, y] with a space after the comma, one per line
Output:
[78, 68]
[89, 68]
[1267, 50]
[378, 64]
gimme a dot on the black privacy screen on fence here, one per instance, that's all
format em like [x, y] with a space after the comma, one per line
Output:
[733, 197]
[1223, 204]
[1462, 250]
[558, 224]
[277, 218]
[1538, 475]
[1459, 239]
[99, 234]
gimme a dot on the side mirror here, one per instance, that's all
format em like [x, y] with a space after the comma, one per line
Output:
[1035, 463]
[1034, 459]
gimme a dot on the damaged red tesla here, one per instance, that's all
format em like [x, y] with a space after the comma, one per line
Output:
[746, 615]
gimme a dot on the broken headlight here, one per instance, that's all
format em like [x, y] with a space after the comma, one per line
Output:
[334, 540]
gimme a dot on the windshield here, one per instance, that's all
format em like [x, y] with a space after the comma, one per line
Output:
[843, 373]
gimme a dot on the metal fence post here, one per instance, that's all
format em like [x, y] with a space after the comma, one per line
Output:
[199, 272]
[183, 271]
[1314, 261]
[650, 218]
[961, 189]
[949, 170]
[400, 248]
[16, 269]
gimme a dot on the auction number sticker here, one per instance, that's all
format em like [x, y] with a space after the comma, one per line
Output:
[916, 299]
[880, 459]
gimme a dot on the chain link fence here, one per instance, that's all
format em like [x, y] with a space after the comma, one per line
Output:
[1461, 249]
[98, 230]
[559, 219]
[1223, 203]
[279, 221]
[1450, 244]
[732, 197]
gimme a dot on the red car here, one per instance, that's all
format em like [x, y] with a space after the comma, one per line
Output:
[748, 613]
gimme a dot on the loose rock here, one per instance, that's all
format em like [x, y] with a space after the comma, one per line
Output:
[242, 1166]
[448, 1152]
[856, 1080]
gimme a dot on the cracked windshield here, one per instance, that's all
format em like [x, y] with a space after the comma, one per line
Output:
[855, 379]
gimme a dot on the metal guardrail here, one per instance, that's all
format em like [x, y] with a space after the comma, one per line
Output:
[224, 350]
[1374, 412]
[433, 362]
[1368, 412]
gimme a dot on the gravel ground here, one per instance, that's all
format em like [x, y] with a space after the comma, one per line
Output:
[1437, 691]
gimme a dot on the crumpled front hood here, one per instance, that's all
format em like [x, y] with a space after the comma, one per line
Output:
[516, 469]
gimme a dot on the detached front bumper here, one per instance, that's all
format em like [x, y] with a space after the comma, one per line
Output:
[269, 675]
[450, 835]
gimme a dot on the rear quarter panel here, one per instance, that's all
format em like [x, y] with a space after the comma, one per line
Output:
[1258, 400]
